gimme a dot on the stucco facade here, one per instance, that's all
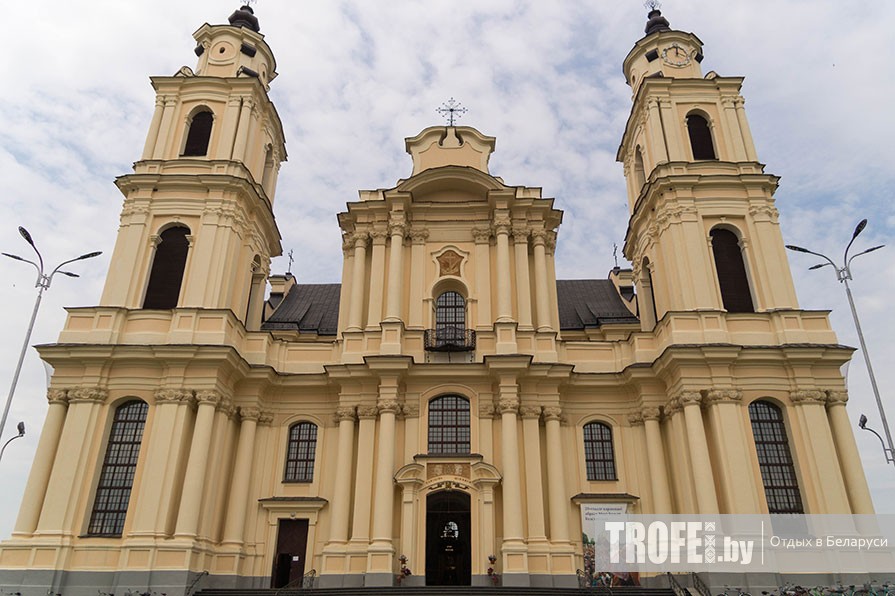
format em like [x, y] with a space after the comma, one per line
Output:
[226, 377]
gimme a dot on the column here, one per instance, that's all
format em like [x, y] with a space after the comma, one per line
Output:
[377, 278]
[482, 238]
[242, 129]
[656, 457]
[393, 307]
[556, 482]
[657, 146]
[417, 276]
[542, 286]
[152, 136]
[363, 484]
[728, 105]
[341, 501]
[744, 130]
[514, 551]
[504, 297]
[849, 459]
[703, 478]
[819, 449]
[158, 152]
[736, 468]
[197, 465]
[551, 277]
[381, 553]
[234, 528]
[227, 133]
[358, 283]
[523, 284]
[70, 464]
[671, 130]
[347, 272]
[534, 490]
[39, 477]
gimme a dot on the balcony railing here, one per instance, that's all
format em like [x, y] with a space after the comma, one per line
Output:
[450, 339]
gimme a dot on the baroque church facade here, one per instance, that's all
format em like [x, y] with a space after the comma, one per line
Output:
[450, 406]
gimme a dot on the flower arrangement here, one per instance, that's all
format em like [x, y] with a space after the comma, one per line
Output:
[405, 570]
[495, 577]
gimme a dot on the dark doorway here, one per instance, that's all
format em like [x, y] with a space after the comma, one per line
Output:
[448, 545]
[292, 545]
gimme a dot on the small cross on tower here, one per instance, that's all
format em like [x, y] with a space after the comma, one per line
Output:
[451, 110]
[291, 260]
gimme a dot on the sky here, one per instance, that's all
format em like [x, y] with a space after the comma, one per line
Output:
[357, 77]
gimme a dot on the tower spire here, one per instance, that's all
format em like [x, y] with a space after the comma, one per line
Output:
[244, 16]
[655, 21]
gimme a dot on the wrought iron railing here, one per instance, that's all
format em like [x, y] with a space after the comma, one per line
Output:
[700, 586]
[678, 589]
[449, 339]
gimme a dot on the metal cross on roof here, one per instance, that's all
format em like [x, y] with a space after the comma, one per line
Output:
[291, 260]
[652, 5]
[451, 110]
[615, 254]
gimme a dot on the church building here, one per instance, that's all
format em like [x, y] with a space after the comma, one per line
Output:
[450, 406]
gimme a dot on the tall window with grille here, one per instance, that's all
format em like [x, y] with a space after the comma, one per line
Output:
[301, 452]
[599, 456]
[449, 425]
[113, 492]
[778, 474]
[450, 318]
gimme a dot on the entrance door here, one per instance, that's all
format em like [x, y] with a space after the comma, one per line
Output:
[292, 544]
[448, 542]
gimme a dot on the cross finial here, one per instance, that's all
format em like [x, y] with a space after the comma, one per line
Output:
[652, 5]
[451, 110]
[291, 260]
[615, 253]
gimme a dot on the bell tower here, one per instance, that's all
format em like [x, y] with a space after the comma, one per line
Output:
[197, 225]
[703, 231]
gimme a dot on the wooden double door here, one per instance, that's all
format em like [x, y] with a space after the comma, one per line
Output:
[292, 548]
[448, 539]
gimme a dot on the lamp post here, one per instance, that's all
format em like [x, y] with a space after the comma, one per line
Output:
[843, 274]
[43, 283]
[21, 428]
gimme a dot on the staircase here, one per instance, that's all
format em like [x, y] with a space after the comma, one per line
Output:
[446, 591]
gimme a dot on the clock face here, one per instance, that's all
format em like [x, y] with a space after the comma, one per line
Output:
[675, 55]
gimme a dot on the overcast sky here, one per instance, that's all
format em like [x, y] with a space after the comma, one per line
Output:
[357, 77]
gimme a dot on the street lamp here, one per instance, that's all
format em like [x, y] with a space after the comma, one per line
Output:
[43, 283]
[21, 428]
[843, 274]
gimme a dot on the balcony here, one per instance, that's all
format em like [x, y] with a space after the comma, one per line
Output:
[449, 339]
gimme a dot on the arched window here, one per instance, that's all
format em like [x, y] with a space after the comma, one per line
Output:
[449, 425]
[199, 134]
[599, 457]
[450, 319]
[168, 266]
[735, 293]
[300, 452]
[700, 137]
[113, 491]
[781, 486]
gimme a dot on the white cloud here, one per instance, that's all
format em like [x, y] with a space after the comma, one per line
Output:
[357, 77]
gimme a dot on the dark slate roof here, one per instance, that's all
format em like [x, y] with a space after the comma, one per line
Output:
[590, 303]
[308, 308]
[314, 308]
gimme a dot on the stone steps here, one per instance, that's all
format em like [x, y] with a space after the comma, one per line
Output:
[445, 591]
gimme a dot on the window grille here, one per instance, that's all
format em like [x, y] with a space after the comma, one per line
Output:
[778, 474]
[599, 457]
[117, 476]
[300, 453]
[449, 425]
